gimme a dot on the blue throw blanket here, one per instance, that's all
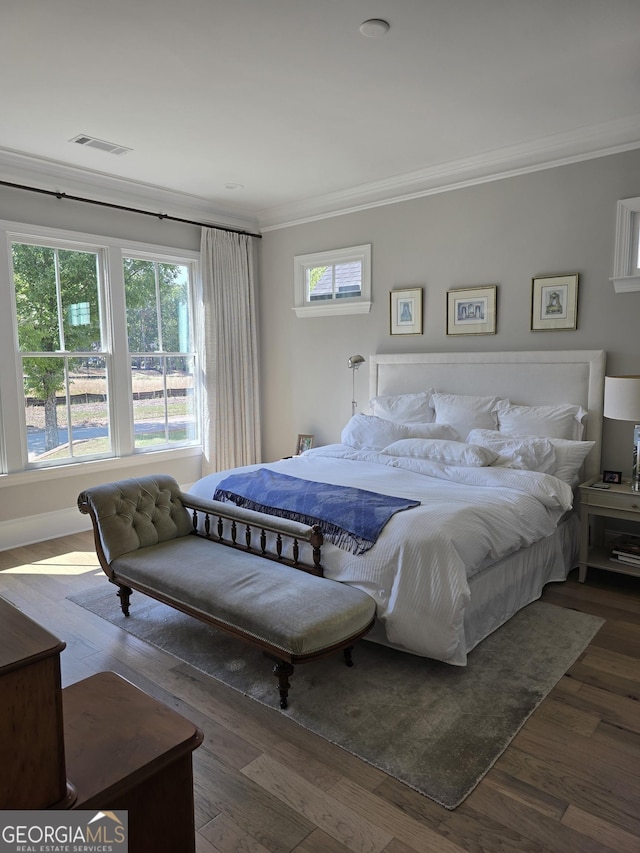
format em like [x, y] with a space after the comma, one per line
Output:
[350, 518]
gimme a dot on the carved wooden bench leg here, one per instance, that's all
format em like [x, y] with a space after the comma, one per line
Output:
[282, 670]
[124, 594]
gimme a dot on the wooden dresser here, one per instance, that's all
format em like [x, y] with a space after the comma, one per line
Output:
[100, 743]
[126, 750]
[32, 755]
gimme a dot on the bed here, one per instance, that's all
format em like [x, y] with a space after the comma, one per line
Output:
[491, 446]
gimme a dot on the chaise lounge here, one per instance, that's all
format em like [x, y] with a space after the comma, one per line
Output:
[257, 577]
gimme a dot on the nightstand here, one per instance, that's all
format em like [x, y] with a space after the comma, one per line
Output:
[596, 505]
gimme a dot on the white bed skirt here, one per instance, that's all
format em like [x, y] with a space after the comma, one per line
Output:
[500, 590]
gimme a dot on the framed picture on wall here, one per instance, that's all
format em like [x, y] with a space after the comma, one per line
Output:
[472, 310]
[405, 311]
[554, 302]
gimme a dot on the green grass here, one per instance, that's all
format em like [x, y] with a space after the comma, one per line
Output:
[95, 414]
[96, 446]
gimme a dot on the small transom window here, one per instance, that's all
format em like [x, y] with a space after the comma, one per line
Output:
[626, 270]
[333, 282]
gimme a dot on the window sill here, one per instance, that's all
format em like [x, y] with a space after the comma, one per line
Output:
[626, 283]
[328, 310]
[37, 475]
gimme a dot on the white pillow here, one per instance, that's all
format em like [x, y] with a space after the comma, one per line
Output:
[439, 450]
[465, 412]
[404, 408]
[530, 452]
[369, 432]
[561, 421]
[433, 431]
[569, 458]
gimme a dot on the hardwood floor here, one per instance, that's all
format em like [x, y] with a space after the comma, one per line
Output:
[570, 781]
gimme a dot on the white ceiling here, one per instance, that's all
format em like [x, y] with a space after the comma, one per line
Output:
[288, 99]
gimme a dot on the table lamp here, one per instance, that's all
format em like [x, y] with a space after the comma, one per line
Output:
[622, 403]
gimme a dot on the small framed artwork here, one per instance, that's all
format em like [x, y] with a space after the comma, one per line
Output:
[305, 442]
[472, 310]
[612, 477]
[406, 311]
[554, 302]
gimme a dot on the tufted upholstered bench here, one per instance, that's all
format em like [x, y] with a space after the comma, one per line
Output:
[254, 576]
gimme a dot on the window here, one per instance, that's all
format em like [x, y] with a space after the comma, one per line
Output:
[62, 358]
[102, 339]
[161, 352]
[626, 269]
[334, 282]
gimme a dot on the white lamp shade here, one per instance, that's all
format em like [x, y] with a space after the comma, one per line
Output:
[622, 398]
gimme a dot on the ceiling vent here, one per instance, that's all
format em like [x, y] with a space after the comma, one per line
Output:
[92, 142]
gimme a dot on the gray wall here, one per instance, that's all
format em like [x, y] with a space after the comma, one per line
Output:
[505, 232]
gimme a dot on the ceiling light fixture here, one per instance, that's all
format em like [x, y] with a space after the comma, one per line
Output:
[374, 28]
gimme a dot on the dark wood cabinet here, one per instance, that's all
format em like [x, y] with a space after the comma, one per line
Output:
[101, 743]
[126, 750]
[32, 754]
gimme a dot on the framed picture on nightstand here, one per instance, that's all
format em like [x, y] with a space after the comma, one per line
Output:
[305, 442]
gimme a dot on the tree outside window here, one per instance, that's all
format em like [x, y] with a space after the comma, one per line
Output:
[57, 295]
[161, 352]
[64, 354]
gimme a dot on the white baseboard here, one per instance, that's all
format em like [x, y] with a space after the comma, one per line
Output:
[48, 525]
[37, 528]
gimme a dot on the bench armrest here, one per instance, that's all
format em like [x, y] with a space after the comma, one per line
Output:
[131, 514]
[209, 517]
[134, 513]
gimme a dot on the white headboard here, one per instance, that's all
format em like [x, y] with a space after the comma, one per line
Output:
[525, 378]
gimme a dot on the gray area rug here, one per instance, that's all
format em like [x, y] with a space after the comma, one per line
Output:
[435, 727]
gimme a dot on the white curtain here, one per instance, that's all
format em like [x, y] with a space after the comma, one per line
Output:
[229, 351]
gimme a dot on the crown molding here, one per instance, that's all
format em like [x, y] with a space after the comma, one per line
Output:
[53, 176]
[535, 155]
[532, 156]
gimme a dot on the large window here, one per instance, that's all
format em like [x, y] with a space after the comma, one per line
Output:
[103, 345]
[62, 357]
[161, 352]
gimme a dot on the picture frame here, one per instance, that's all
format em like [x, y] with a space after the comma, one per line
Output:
[472, 310]
[554, 303]
[305, 442]
[405, 311]
[612, 477]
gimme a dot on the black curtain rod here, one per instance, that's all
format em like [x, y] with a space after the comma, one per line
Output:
[127, 209]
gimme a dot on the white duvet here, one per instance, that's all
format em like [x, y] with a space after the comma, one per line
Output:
[418, 570]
